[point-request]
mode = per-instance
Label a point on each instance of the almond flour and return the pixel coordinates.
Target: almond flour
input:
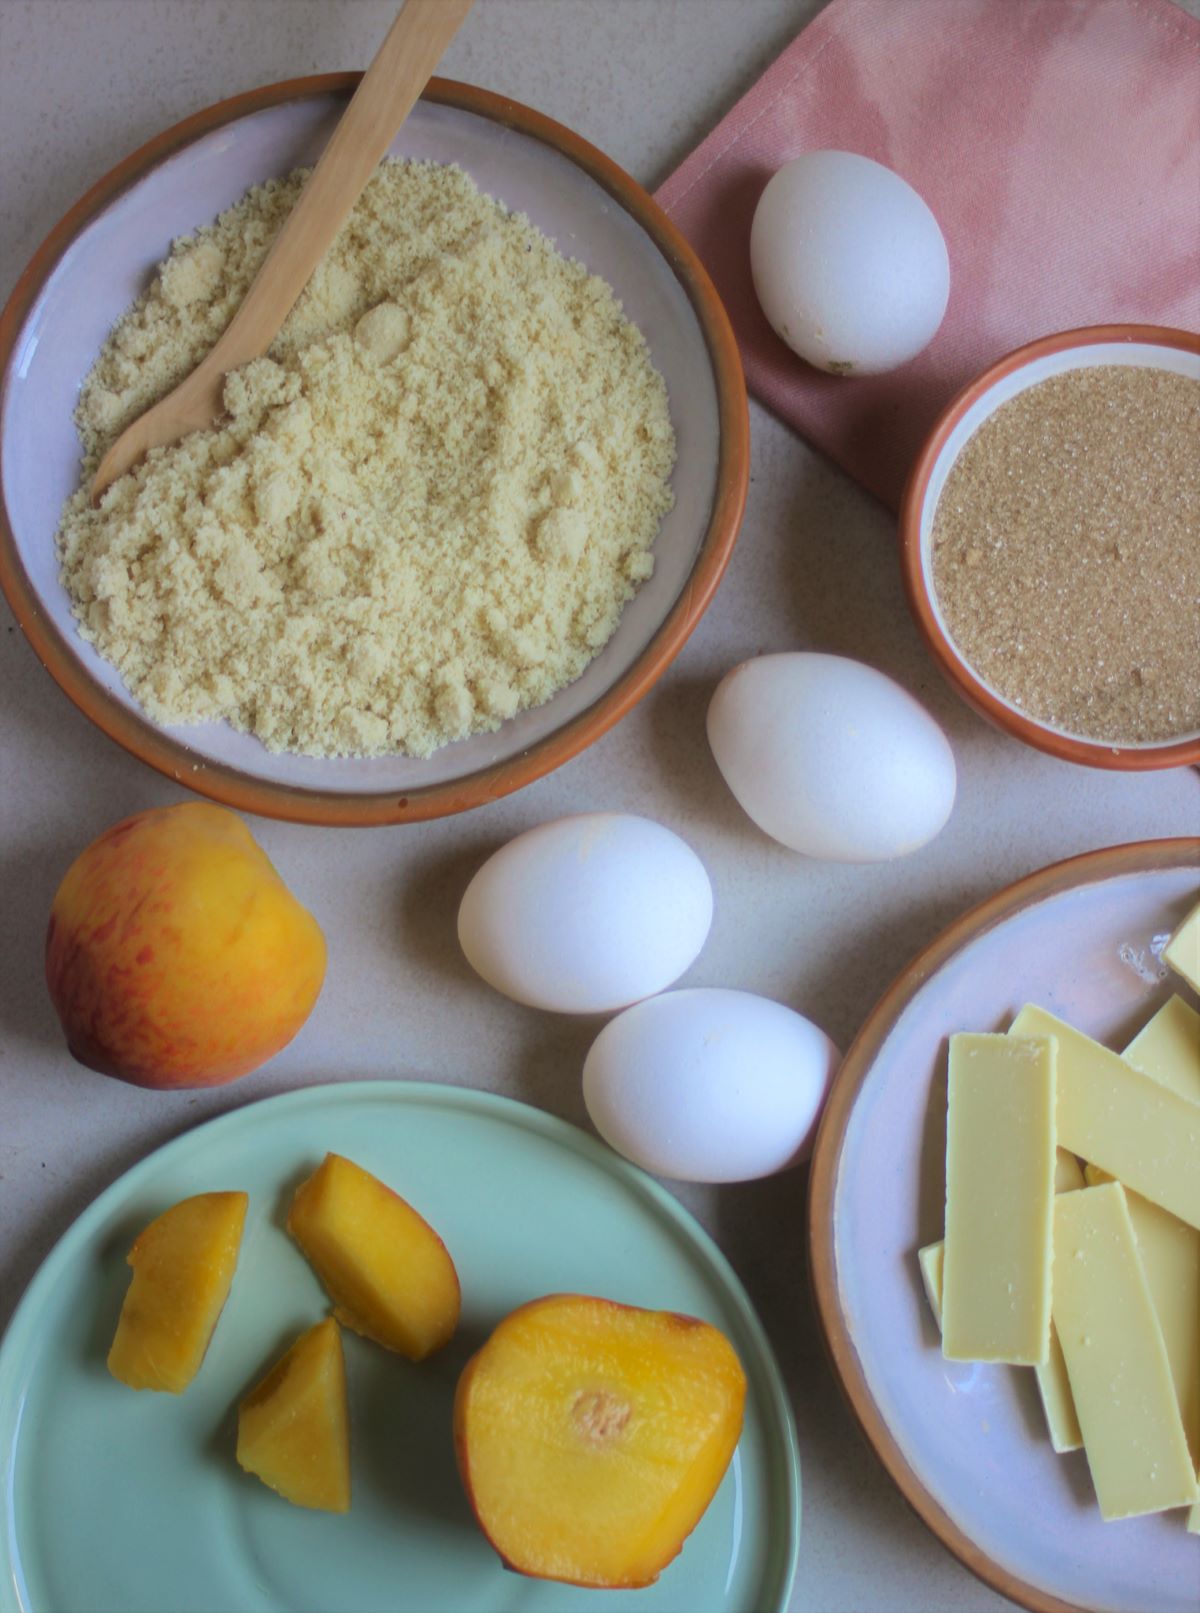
(427, 505)
(1066, 553)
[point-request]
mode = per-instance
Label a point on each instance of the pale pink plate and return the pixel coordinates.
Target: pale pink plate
(967, 1444)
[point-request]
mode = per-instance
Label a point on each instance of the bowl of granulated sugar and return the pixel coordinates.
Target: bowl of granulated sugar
(450, 528)
(1050, 545)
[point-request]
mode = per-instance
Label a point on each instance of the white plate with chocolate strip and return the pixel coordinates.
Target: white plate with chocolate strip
(1010, 1464)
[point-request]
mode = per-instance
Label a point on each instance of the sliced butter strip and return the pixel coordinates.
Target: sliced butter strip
(1053, 1384)
(1138, 1130)
(1182, 951)
(1168, 1048)
(1000, 1164)
(1170, 1256)
(1193, 1522)
(1116, 1358)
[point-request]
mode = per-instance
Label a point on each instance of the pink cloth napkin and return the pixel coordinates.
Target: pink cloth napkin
(1058, 144)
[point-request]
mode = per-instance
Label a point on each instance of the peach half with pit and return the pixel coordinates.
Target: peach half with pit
(591, 1436)
(176, 956)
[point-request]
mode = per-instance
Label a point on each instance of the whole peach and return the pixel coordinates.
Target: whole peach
(176, 956)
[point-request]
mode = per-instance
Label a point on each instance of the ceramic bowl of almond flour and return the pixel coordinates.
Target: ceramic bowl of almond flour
(1050, 545)
(451, 529)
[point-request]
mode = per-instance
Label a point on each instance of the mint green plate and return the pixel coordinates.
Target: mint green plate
(116, 1502)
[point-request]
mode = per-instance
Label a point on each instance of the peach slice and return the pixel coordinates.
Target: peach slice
(183, 1264)
(591, 1436)
(294, 1428)
(385, 1268)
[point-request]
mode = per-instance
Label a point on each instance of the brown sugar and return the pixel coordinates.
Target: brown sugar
(1066, 553)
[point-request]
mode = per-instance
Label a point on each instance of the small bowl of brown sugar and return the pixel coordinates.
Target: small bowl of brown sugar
(1050, 545)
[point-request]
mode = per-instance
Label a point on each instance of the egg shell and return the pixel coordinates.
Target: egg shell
(831, 757)
(586, 914)
(709, 1085)
(848, 263)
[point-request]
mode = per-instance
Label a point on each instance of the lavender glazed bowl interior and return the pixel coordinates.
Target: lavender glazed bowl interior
(110, 261)
(967, 1443)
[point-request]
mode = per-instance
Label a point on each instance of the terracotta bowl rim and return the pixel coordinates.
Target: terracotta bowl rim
(1108, 862)
(266, 798)
(957, 671)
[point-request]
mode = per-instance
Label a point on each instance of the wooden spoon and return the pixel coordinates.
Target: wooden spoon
(387, 93)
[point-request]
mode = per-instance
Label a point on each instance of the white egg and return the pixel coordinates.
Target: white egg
(587, 914)
(831, 757)
(848, 262)
(707, 1085)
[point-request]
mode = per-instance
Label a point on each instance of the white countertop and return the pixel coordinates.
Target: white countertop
(82, 82)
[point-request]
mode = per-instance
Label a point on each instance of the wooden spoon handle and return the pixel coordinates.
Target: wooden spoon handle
(379, 106)
(389, 89)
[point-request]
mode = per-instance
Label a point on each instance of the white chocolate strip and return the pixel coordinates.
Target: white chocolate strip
(1182, 951)
(1168, 1048)
(1000, 1164)
(1119, 1118)
(1116, 1358)
(1170, 1254)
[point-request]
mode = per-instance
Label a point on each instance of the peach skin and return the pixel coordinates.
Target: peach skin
(176, 956)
